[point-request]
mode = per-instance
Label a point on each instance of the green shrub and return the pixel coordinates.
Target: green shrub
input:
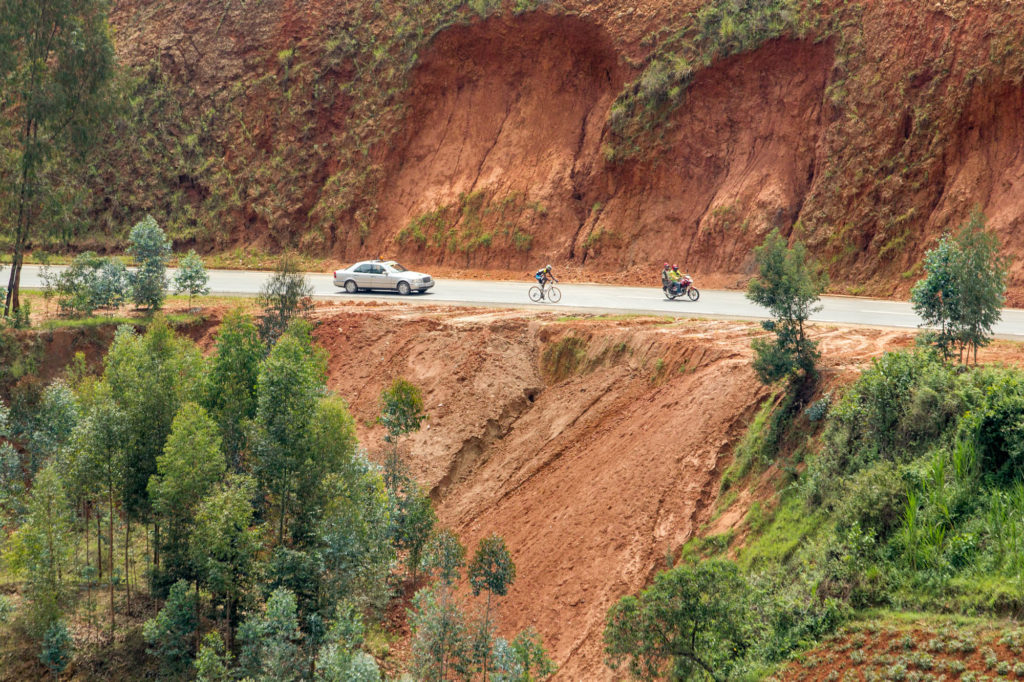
(170, 634)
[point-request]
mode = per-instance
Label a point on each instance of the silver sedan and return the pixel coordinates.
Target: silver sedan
(381, 274)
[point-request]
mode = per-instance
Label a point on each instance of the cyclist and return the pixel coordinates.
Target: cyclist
(545, 275)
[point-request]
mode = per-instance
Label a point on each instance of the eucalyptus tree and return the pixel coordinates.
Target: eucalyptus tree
(55, 59)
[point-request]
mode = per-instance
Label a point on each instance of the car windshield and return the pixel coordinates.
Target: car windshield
(396, 267)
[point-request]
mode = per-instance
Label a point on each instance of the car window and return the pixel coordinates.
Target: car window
(378, 270)
(365, 267)
(396, 267)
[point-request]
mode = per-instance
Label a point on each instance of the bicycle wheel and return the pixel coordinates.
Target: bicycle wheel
(693, 294)
(535, 294)
(554, 295)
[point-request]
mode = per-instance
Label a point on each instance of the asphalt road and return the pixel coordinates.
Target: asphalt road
(597, 298)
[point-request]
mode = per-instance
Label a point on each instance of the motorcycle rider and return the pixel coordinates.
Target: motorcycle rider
(674, 278)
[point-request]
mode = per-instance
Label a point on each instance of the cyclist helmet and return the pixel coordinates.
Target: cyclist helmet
(548, 268)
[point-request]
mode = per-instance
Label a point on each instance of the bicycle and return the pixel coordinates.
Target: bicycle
(548, 292)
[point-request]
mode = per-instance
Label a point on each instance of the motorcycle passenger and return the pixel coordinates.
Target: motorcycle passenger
(664, 275)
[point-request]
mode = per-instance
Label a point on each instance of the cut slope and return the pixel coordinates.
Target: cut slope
(593, 446)
(506, 113)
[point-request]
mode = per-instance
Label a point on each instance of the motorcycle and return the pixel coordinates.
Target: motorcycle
(683, 287)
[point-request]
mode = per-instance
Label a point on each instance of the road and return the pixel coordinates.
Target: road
(598, 298)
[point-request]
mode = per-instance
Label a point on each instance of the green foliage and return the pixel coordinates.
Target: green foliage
(54, 62)
(477, 220)
(401, 409)
(691, 623)
(716, 30)
(445, 555)
(149, 377)
(271, 641)
(440, 636)
(290, 385)
(191, 277)
(285, 296)
(414, 521)
(191, 464)
(491, 568)
(151, 249)
(57, 648)
(40, 550)
(352, 536)
(340, 659)
(171, 634)
(224, 544)
(229, 393)
(964, 290)
(788, 284)
(524, 659)
(91, 282)
(53, 422)
(213, 660)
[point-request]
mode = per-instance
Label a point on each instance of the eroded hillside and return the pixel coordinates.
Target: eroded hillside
(594, 446)
(600, 136)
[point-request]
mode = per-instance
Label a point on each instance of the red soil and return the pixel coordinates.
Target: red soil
(591, 480)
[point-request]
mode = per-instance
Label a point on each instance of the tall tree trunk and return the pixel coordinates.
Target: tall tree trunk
(99, 545)
(13, 301)
(110, 558)
(156, 547)
(127, 575)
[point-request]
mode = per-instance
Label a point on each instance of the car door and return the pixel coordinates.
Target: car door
(363, 276)
(386, 279)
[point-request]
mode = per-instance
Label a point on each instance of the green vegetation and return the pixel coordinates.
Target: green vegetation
(788, 284)
(191, 278)
(54, 62)
(716, 30)
(564, 358)
(446, 643)
(286, 295)
(964, 290)
(912, 500)
(226, 491)
(476, 221)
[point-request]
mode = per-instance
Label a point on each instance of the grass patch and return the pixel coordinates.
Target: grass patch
(790, 526)
(564, 358)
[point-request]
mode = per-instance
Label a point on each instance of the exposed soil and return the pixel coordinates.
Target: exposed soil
(869, 134)
(593, 474)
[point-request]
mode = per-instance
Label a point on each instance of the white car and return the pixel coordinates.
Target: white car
(381, 274)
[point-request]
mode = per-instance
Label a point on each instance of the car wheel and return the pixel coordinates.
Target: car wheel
(404, 288)
(350, 286)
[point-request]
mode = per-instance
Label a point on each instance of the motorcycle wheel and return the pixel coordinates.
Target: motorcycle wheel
(692, 294)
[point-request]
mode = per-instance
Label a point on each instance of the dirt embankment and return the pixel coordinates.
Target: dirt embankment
(593, 446)
(469, 142)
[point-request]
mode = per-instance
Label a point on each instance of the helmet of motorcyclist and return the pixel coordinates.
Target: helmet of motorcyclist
(675, 267)
(666, 266)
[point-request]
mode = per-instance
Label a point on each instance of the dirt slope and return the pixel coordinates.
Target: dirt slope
(594, 467)
(480, 135)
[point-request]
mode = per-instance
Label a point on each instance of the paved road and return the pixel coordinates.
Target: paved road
(599, 298)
